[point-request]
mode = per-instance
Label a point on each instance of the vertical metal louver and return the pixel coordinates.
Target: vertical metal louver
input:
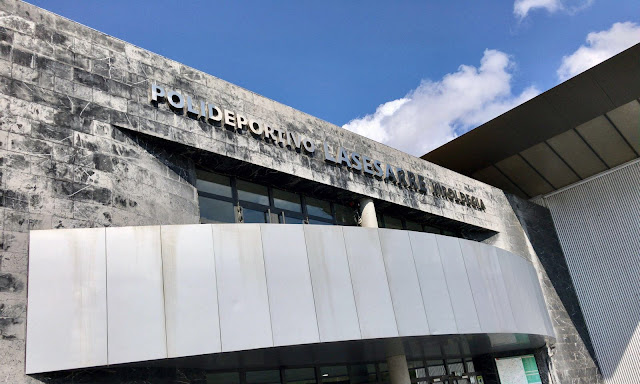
(598, 223)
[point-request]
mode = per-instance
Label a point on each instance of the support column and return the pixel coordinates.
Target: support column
(368, 216)
(397, 362)
(396, 359)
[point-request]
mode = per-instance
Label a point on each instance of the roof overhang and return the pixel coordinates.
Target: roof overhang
(586, 125)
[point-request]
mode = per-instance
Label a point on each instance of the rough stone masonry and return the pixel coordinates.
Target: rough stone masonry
(74, 121)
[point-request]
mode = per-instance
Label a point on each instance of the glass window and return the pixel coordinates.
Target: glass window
(318, 208)
(413, 226)
(448, 233)
(384, 373)
(286, 200)
(392, 222)
(319, 222)
(334, 374)
(300, 376)
(430, 229)
(214, 183)
(531, 369)
(455, 367)
(380, 223)
(470, 367)
(345, 215)
(416, 370)
(363, 373)
(254, 216)
(263, 377)
(292, 220)
(223, 378)
(436, 368)
(216, 211)
(253, 193)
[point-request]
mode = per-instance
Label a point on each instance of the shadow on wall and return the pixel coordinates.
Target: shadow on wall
(538, 225)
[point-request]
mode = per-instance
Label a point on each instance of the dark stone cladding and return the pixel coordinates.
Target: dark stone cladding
(573, 358)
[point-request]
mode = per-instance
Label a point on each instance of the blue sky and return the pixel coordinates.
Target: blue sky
(393, 66)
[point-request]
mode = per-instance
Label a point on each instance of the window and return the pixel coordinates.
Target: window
(391, 222)
(263, 377)
(216, 211)
(345, 215)
(420, 372)
(214, 184)
(363, 374)
(224, 199)
(413, 226)
(300, 376)
(223, 378)
(287, 200)
(319, 209)
(335, 374)
(252, 193)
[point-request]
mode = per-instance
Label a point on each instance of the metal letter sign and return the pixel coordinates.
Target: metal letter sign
(280, 137)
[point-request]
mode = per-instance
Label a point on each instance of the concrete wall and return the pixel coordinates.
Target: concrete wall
(74, 115)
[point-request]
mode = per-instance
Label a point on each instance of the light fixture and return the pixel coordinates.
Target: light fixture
(325, 374)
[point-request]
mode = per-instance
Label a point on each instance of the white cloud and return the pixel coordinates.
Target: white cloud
(438, 111)
(600, 46)
(521, 8)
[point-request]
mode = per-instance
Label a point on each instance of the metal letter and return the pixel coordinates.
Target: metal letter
(356, 163)
(294, 139)
(190, 109)
(451, 194)
(390, 176)
(328, 157)
(255, 127)
(242, 122)
(343, 157)
(203, 111)
(412, 181)
(309, 146)
(214, 114)
(378, 167)
(401, 179)
(176, 101)
(437, 190)
(229, 118)
(282, 137)
(269, 134)
(157, 92)
(422, 185)
(367, 165)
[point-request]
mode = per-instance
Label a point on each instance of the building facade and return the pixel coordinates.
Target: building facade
(139, 243)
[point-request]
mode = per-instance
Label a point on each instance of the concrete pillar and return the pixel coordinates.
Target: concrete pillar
(368, 216)
(397, 362)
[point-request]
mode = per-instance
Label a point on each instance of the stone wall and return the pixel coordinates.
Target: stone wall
(94, 77)
(60, 167)
(75, 122)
